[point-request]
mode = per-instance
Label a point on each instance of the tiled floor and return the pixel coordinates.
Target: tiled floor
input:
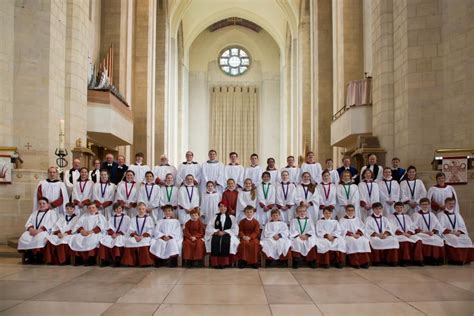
(41, 290)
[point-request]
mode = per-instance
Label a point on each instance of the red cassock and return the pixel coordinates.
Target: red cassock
(248, 249)
(193, 250)
(229, 198)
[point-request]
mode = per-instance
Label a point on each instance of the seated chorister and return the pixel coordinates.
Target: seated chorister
(57, 248)
(249, 246)
(112, 245)
(194, 248)
(331, 246)
(303, 239)
(275, 239)
(357, 242)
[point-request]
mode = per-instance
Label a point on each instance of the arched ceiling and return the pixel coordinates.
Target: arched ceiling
(275, 16)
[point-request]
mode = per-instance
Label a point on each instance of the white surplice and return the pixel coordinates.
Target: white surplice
(286, 196)
(210, 205)
(354, 245)
(235, 172)
(304, 195)
(139, 226)
(164, 249)
(127, 192)
(369, 194)
(294, 174)
(347, 194)
(428, 222)
(266, 194)
(65, 225)
(330, 227)
(82, 192)
(244, 199)
(88, 222)
(453, 221)
(161, 171)
(299, 227)
(412, 191)
(254, 173)
(118, 225)
(389, 191)
(275, 248)
(56, 193)
(150, 194)
(184, 169)
(380, 225)
(139, 171)
(213, 171)
(403, 223)
(439, 194)
(44, 220)
(188, 198)
(314, 170)
(104, 192)
(327, 197)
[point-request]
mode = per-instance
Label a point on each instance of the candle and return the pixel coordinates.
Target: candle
(61, 134)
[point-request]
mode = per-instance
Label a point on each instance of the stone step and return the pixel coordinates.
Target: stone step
(12, 242)
(8, 252)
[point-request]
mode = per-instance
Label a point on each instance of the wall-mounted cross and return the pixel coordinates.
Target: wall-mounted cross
(28, 146)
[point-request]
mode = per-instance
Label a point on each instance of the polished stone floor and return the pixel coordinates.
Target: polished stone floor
(51, 290)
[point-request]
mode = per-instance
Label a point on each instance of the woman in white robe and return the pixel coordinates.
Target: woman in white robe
(369, 193)
(330, 239)
(150, 194)
(327, 194)
(307, 195)
(210, 202)
(389, 191)
(103, 194)
(38, 227)
(357, 243)
(127, 194)
(440, 192)
(188, 198)
(247, 196)
(275, 239)
(266, 198)
(347, 193)
(167, 239)
(57, 248)
(54, 190)
(303, 238)
(286, 197)
(412, 190)
(89, 230)
(82, 192)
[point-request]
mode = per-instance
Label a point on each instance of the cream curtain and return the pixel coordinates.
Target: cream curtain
(234, 117)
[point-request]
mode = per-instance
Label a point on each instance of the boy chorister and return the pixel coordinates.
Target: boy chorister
(188, 198)
(89, 230)
(303, 238)
(112, 245)
(139, 168)
(38, 226)
(285, 197)
(313, 167)
(357, 243)
(458, 246)
(307, 196)
(168, 195)
(275, 239)
(383, 242)
(249, 247)
(57, 248)
(254, 171)
(411, 247)
(412, 190)
(222, 238)
(82, 191)
(230, 196)
(137, 243)
(209, 202)
(440, 192)
(189, 167)
(389, 191)
(234, 170)
(331, 244)
(327, 194)
(266, 197)
(213, 170)
(369, 193)
(194, 248)
(127, 193)
(347, 193)
(292, 169)
(150, 195)
(247, 196)
(167, 238)
(54, 191)
(428, 228)
(103, 194)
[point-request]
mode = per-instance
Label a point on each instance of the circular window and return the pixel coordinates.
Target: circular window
(234, 61)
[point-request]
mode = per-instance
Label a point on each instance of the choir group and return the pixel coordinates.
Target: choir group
(141, 216)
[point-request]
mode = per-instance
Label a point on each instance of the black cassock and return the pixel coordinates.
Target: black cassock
(220, 245)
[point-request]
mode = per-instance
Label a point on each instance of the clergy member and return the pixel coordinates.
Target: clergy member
(163, 169)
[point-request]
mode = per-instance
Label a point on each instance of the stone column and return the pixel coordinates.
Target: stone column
(7, 50)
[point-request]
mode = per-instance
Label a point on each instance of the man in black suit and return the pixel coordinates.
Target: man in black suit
(346, 165)
(398, 173)
(120, 170)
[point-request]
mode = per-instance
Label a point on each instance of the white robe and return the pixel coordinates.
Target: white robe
(165, 249)
(254, 173)
(244, 199)
(306, 226)
(428, 222)
(390, 242)
(314, 170)
(37, 220)
(379, 173)
(303, 194)
(161, 171)
(233, 232)
(403, 223)
(63, 226)
(454, 221)
(334, 176)
(274, 175)
(439, 195)
(140, 226)
(327, 197)
(331, 227)
(210, 205)
(188, 198)
(76, 174)
(235, 172)
(269, 199)
(419, 191)
(286, 196)
(293, 172)
(347, 194)
(369, 193)
(118, 224)
(90, 242)
(184, 169)
(128, 193)
(213, 171)
(52, 190)
(140, 171)
(82, 191)
(150, 194)
(275, 248)
(104, 192)
(389, 191)
(353, 245)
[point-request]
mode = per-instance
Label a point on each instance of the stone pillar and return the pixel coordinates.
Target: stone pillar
(7, 50)
(322, 79)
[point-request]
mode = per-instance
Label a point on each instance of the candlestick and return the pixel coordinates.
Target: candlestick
(61, 134)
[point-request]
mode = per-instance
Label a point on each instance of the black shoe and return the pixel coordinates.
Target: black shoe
(254, 266)
(356, 267)
(313, 265)
(242, 264)
(173, 262)
(295, 264)
(189, 264)
(403, 263)
(338, 265)
(365, 266)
